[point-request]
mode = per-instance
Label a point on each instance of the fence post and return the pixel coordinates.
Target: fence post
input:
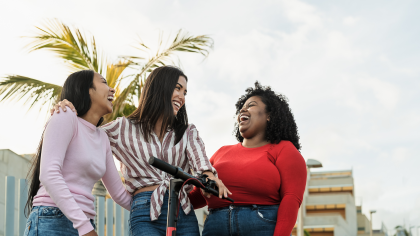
(101, 216)
(22, 198)
(126, 219)
(9, 213)
(109, 217)
(117, 214)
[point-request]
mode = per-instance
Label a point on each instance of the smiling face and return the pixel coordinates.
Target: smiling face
(178, 97)
(101, 94)
(253, 118)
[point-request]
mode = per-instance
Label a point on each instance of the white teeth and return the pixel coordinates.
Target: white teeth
(110, 98)
(177, 104)
(243, 118)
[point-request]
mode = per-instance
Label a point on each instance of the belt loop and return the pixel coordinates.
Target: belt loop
(254, 207)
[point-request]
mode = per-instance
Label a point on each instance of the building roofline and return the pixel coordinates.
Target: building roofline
(318, 226)
(331, 185)
(24, 156)
(332, 171)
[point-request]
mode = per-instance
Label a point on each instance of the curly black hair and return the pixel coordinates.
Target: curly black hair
(282, 125)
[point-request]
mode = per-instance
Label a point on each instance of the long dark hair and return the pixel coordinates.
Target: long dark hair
(156, 102)
(76, 90)
(282, 125)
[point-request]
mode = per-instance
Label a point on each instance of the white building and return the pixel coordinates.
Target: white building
(11, 164)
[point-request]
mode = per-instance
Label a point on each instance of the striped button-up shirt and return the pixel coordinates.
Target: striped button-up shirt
(132, 150)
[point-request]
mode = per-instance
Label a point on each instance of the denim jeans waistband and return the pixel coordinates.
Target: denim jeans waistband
(232, 206)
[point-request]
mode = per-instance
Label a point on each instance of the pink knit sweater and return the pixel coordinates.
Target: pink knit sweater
(75, 155)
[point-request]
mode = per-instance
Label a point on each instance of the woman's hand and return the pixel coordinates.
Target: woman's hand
(91, 233)
(223, 191)
(63, 105)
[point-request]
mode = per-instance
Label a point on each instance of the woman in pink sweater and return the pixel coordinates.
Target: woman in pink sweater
(72, 156)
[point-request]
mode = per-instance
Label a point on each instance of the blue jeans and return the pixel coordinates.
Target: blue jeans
(249, 220)
(141, 224)
(48, 221)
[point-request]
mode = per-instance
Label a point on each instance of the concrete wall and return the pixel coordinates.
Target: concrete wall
(338, 198)
(340, 225)
(331, 181)
(363, 221)
(11, 164)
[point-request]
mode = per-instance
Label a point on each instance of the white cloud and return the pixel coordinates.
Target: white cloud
(350, 20)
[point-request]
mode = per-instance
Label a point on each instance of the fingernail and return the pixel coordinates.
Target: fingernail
(64, 109)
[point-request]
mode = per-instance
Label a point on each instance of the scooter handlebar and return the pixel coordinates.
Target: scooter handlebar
(180, 174)
(163, 166)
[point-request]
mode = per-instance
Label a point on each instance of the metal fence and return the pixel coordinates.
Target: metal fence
(110, 217)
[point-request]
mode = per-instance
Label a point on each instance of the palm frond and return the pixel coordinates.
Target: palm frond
(113, 77)
(124, 99)
(68, 44)
(113, 73)
(17, 87)
(183, 42)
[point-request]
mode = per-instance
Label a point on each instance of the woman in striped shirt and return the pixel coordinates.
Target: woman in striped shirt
(158, 127)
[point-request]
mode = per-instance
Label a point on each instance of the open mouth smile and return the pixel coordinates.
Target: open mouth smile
(177, 104)
(111, 99)
(243, 119)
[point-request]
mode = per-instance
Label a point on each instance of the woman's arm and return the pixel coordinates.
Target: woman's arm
(292, 168)
(196, 153)
(57, 137)
(199, 161)
(113, 183)
(111, 128)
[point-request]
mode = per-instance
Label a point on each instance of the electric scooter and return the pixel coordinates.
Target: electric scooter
(175, 185)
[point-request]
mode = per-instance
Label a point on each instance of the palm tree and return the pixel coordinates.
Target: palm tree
(80, 53)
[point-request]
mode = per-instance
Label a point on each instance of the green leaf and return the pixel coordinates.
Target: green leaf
(17, 87)
(68, 44)
(183, 42)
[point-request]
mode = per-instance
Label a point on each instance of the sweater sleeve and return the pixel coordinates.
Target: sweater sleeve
(113, 183)
(292, 169)
(58, 134)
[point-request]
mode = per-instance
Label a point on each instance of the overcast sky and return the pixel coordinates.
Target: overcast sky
(349, 68)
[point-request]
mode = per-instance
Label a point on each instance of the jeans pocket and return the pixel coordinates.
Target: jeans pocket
(268, 215)
(140, 204)
(50, 212)
(27, 228)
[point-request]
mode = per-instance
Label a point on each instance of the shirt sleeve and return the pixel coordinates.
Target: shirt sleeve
(196, 153)
(292, 168)
(197, 199)
(112, 129)
(113, 183)
(58, 134)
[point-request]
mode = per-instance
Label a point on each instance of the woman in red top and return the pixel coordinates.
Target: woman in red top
(265, 171)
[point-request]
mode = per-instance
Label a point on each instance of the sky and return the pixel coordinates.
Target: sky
(350, 70)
